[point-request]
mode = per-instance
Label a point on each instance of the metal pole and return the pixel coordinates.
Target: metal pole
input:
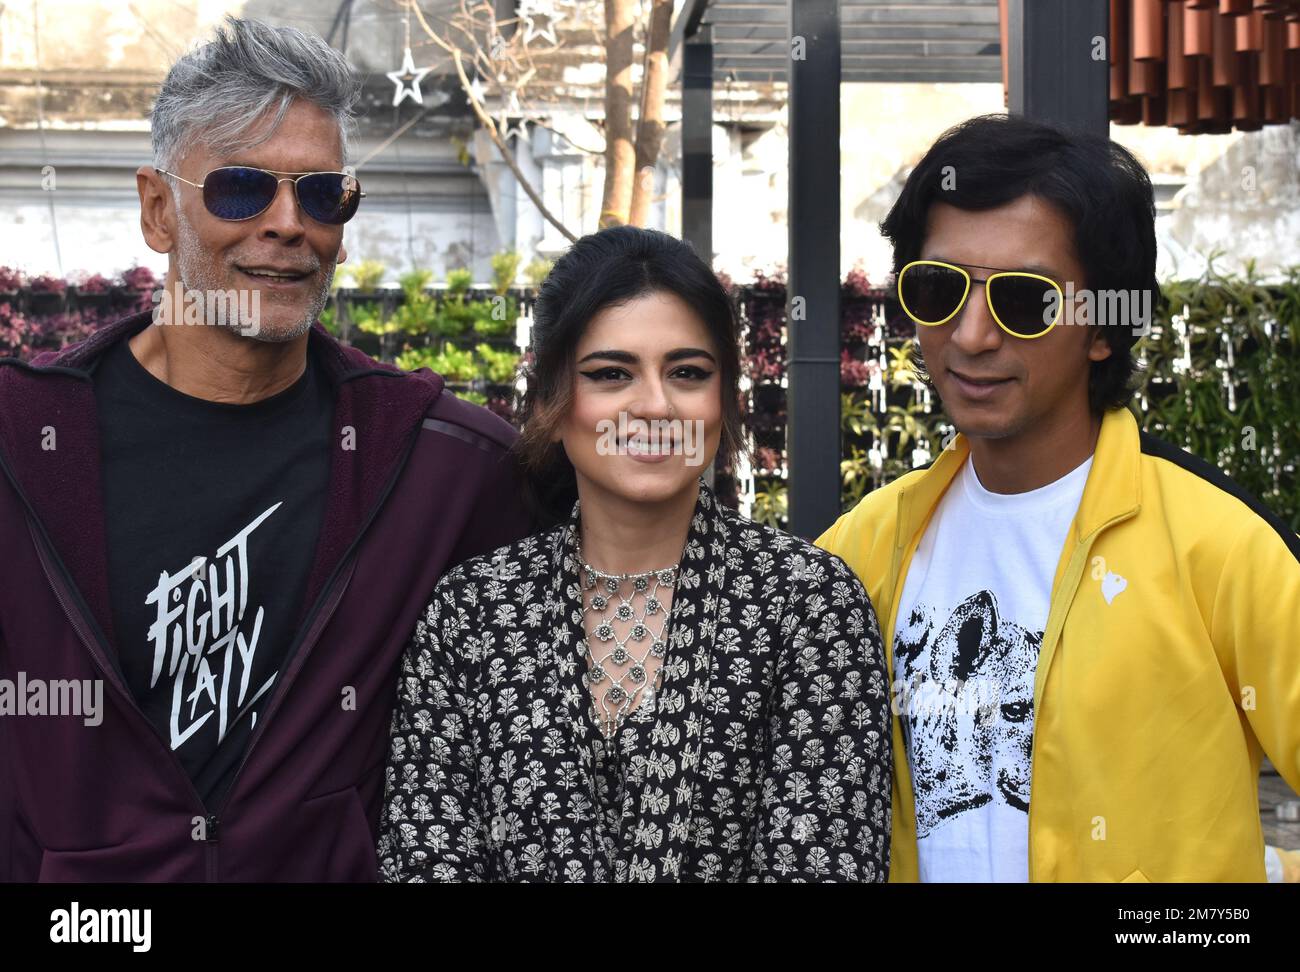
(697, 143)
(1058, 65)
(813, 312)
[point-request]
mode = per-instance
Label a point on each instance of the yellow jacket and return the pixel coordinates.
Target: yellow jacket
(1152, 711)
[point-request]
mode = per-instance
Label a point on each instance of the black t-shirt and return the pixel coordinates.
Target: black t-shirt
(213, 513)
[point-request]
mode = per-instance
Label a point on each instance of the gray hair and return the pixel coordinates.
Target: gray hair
(216, 93)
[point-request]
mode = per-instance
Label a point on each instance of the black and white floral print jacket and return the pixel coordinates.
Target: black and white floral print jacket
(767, 757)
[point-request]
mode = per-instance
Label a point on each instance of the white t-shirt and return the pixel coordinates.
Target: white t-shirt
(970, 624)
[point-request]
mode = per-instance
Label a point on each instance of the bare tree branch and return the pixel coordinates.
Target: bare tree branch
(531, 80)
(490, 126)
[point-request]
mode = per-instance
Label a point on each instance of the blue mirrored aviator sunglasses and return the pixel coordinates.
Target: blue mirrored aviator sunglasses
(237, 192)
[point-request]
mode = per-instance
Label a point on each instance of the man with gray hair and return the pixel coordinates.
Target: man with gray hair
(227, 516)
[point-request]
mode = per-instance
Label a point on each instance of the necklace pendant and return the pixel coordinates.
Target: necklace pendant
(611, 702)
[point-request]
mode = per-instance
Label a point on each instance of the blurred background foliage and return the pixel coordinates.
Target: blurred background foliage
(1220, 368)
(1220, 377)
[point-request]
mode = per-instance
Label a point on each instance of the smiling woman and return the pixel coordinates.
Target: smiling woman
(629, 322)
(677, 693)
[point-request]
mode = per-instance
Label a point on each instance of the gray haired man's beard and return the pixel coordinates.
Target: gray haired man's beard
(198, 276)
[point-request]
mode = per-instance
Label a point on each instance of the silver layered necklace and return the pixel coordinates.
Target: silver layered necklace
(617, 668)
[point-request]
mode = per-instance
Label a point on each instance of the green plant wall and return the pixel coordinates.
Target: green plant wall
(1220, 367)
(1220, 377)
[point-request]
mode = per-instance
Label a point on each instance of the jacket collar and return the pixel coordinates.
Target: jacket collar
(1113, 489)
(377, 415)
(662, 803)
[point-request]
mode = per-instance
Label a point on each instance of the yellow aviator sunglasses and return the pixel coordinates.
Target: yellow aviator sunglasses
(1025, 305)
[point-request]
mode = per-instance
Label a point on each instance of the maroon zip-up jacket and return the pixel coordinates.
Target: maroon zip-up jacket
(428, 484)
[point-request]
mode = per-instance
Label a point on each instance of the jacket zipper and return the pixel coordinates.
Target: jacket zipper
(319, 617)
(211, 826)
(895, 565)
(1070, 581)
(60, 583)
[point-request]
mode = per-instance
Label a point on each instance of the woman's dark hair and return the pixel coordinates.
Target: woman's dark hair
(992, 160)
(602, 270)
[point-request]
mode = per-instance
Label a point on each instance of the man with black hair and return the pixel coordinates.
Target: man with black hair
(1070, 605)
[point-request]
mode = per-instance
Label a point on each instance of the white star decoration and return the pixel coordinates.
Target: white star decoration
(512, 109)
(516, 129)
(407, 78)
(530, 12)
(546, 33)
